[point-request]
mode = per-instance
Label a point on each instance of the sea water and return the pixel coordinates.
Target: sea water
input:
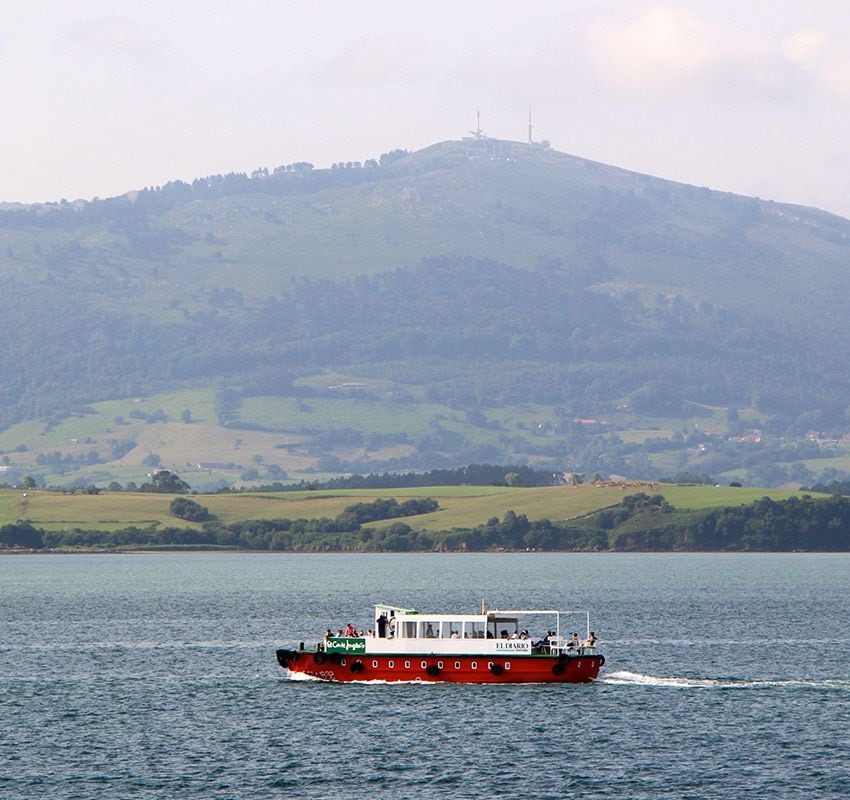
(154, 676)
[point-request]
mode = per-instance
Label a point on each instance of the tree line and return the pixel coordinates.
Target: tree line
(339, 533)
(640, 522)
(470, 475)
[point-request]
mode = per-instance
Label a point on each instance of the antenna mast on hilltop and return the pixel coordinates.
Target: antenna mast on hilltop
(543, 144)
(478, 133)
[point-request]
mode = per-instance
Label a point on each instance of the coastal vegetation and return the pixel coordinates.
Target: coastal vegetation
(553, 518)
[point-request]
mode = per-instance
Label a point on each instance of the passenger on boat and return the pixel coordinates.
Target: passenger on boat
(504, 634)
(574, 643)
(590, 641)
(382, 626)
(350, 630)
(429, 632)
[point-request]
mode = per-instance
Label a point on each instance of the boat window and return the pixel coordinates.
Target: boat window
(457, 664)
(429, 630)
(407, 665)
(472, 630)
(474, 665)
(391, 664)
(408, 630)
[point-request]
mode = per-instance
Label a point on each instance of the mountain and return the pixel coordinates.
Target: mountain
(467, 280)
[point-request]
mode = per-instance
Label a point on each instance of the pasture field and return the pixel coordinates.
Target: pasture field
(200, 402)
(460, 506)
(107, 511)
(367, 415)
(699, 497)
(351, 424)
(109, 419)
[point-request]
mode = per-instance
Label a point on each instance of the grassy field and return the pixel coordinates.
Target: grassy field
(112, 418)
(460, 506)
(698, 497)
(368, 415)
(346, 429)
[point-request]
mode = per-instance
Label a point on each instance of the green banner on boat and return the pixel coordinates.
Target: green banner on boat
(345, 644)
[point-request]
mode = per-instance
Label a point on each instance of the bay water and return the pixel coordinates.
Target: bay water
(154, 676)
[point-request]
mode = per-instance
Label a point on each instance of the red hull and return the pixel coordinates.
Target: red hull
(444, 669)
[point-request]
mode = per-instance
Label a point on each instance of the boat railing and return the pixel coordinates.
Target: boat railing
(568, 648)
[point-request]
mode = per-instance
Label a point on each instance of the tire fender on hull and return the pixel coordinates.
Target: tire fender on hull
(287, 657)
(561, 666)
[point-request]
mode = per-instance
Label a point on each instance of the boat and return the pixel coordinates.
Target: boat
(491, 647)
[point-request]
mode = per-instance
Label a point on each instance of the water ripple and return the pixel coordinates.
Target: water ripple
(626, 678)
(152, 677)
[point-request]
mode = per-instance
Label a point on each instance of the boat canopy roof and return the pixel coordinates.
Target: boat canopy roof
(382, 608)
(490, 615)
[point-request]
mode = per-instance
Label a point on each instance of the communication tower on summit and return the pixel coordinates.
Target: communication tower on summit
(543, 144)
(478, 133)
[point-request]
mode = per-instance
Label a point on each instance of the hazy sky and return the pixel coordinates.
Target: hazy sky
(101, 97)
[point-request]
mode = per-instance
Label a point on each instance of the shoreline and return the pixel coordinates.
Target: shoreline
(248, 551)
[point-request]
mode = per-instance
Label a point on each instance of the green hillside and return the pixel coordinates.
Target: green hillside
(603, 517)
(460, 506)
(476, 301)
